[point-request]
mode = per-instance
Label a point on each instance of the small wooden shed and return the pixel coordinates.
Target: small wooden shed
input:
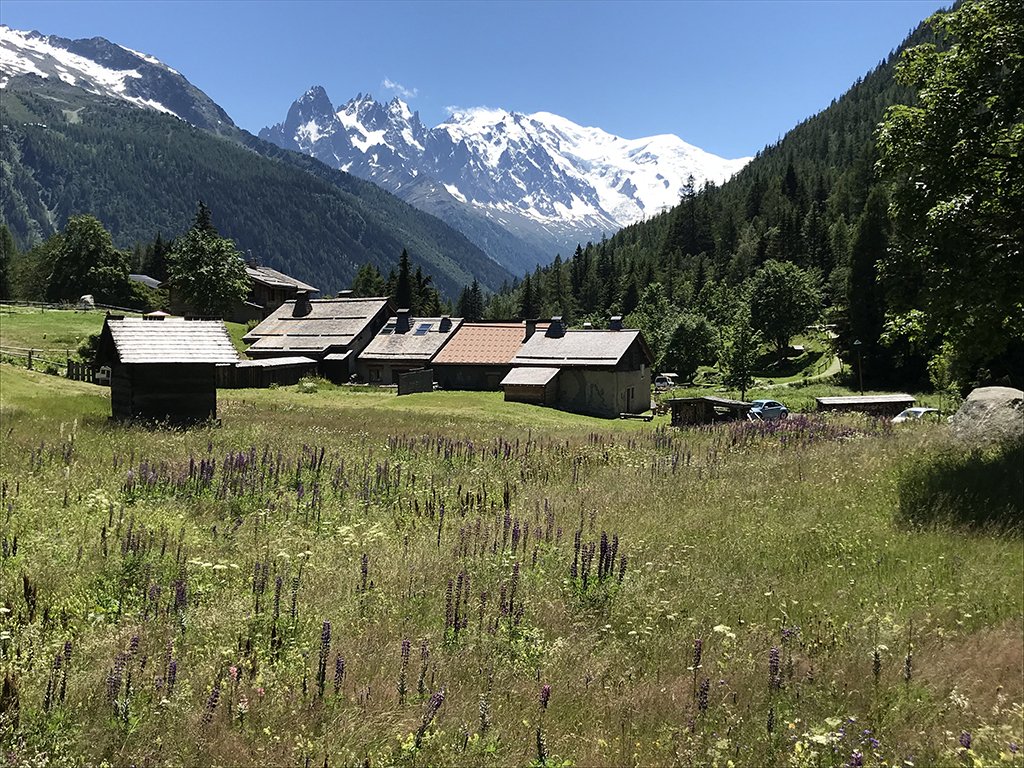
(706, 410)
(164, 369)
(875, 405)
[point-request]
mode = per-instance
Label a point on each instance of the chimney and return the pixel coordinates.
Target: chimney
(253, 262)
(446, 325)
(343, 294)
(302, 304)
(402, 321)
(556, 330)
(616, 323)
(531, 328)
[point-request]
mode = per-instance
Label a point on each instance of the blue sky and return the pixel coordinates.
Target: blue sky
(729, 76)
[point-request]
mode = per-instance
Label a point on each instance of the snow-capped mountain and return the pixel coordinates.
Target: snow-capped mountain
(103, 68)
(540, 176)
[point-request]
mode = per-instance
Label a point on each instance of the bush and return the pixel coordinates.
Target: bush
(977, 488)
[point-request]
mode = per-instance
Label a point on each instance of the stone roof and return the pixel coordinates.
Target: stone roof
(330, 324)
(531, 376)
(135, 340)
(484, 344)
(275, 279)
(863, 400)
(586, 348)
(424, 337)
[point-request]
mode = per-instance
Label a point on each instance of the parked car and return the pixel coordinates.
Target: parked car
(916, 414)
(767, 410)
(665, 381)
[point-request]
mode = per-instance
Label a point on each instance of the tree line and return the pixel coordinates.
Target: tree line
(876, 217)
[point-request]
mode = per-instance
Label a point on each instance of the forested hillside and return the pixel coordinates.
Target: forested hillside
(814, 201)
(141, 173)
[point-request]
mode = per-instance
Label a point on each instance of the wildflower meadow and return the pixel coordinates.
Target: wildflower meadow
(338, 576)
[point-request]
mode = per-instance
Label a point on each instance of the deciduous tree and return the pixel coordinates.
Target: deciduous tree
(957, 158)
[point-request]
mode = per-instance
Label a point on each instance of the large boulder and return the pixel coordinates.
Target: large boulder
(990, 415)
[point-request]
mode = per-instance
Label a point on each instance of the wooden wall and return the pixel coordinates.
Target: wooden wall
(173, 392)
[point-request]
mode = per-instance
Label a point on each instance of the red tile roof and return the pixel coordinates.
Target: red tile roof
(485, 344)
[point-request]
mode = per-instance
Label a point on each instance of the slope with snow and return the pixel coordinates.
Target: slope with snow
(106, 69)
(539, 176)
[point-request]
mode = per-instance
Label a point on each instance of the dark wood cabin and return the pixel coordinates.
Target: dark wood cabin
(875, 405)
(706, 410)
(164, 369)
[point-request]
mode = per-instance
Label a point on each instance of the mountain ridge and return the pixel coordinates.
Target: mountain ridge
(541, 177)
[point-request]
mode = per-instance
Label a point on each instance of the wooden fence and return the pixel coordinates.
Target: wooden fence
(40, 359)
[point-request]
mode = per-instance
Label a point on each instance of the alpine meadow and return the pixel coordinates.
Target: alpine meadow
(330, 573)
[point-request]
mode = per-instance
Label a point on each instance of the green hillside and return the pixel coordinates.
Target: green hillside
(66, 152)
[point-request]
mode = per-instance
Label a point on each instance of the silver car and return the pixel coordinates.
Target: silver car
(767, 410)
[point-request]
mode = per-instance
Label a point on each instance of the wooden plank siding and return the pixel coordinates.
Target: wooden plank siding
(174, 392)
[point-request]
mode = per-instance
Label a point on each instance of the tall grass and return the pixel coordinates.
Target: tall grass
(340, 578)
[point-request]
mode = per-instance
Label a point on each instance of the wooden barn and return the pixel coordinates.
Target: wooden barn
(599, 372)
(331, 331)
(875, 405)
(706, 410)
(164, 369)
(404, 344)
(480, 354)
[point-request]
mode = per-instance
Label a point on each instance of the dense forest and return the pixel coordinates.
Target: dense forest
(141, 173)
(816, 202)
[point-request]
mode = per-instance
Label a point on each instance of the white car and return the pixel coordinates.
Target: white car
(916, 414)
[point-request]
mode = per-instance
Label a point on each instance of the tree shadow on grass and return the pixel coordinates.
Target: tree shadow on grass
(977, 488)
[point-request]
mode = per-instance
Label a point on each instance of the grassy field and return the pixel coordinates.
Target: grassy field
(60, 331)
(343, 576)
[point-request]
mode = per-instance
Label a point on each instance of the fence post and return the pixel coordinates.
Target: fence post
(30, 359)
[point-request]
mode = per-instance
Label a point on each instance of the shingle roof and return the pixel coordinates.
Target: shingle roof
(331, 323)
(576, 348)
(532, 376)
(420, 343)
(484, 343)
(170, 340)
(276, 279)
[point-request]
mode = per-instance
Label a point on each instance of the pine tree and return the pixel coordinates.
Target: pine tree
(404, 286)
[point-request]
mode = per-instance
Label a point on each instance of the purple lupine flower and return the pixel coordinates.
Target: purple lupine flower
(545, 695)
(965, 740)
(211, 704)
(428, 716)
(339, 672)
(773, 667)
(702, 697)
(856, 760)
(698, 647)
(325, 652)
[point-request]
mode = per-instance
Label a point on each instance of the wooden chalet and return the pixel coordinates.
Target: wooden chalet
(268, 290)
(164, 369)
(404, 344)
(603, 373)
(480, 355)
(330, 331)
(875, 405)
(706, 410)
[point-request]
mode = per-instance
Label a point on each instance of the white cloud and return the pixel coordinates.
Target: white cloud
(400, 90)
